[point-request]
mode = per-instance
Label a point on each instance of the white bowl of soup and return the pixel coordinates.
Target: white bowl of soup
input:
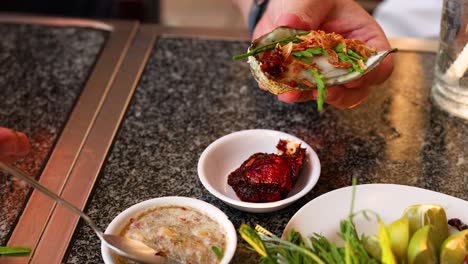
(186, 229)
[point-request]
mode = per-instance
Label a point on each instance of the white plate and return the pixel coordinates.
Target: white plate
(227, 153)
(323, 214)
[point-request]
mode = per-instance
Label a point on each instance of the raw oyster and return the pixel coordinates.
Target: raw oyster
(288, 59)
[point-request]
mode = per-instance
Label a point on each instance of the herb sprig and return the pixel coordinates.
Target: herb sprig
(296, 249)
(349, 56)
(15, 251)
(270, 46)
(219, 254)
(321, 89)
(309, 53)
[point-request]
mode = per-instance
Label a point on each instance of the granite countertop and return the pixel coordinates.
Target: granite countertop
(192, 93)
(42, 71)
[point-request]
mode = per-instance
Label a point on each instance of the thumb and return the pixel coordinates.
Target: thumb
(299, 13)
(13, 143)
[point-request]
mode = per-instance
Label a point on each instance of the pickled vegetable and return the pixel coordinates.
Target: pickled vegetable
(428, 214)
(385, 245)
(421, 249)
(455, 248)
(399, 237)
(371, 244)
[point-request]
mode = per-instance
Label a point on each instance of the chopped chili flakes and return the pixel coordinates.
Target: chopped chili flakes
(273, 63)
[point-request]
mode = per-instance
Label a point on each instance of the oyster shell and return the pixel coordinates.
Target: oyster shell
(331, 75)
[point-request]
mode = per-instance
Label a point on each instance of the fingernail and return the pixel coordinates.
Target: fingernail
(291, 20)
(23, 144)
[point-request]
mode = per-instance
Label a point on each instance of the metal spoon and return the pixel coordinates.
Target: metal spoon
(129, 248)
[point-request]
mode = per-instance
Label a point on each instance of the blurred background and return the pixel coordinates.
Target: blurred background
(204, 13)
(398, 18)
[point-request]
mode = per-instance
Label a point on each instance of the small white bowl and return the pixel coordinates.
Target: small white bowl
(210, 210)
(227, 153)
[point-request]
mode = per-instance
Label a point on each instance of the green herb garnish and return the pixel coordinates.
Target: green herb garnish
(348, 55)
(304, 59)
(340, 47)
(321, 89)
(345, 58)
(355, 56)
(278, 249)
(219, 254)
(251, 236)
(296, 250)
(15, 251)
(315, 51)
(308, 52)
(270, 46)
(320, 250)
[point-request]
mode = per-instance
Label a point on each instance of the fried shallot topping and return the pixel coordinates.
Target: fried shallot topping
(328, 41)
(316, 39)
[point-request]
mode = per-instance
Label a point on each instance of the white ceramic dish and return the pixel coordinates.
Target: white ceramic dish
(227, 153)
(323, 214)
(123, 218)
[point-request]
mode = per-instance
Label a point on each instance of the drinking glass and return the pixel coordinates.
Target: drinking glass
(450, 88)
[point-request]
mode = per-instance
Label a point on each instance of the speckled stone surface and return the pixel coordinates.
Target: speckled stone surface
(42, 71)
(192, 93)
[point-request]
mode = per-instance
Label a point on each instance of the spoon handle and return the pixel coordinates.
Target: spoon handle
(16, 172)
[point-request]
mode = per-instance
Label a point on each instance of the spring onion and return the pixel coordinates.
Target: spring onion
(269, 46)
(15, 251)
(321, 89)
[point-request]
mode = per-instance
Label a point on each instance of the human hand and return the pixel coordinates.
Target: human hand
(12, 144)
(344, 17)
